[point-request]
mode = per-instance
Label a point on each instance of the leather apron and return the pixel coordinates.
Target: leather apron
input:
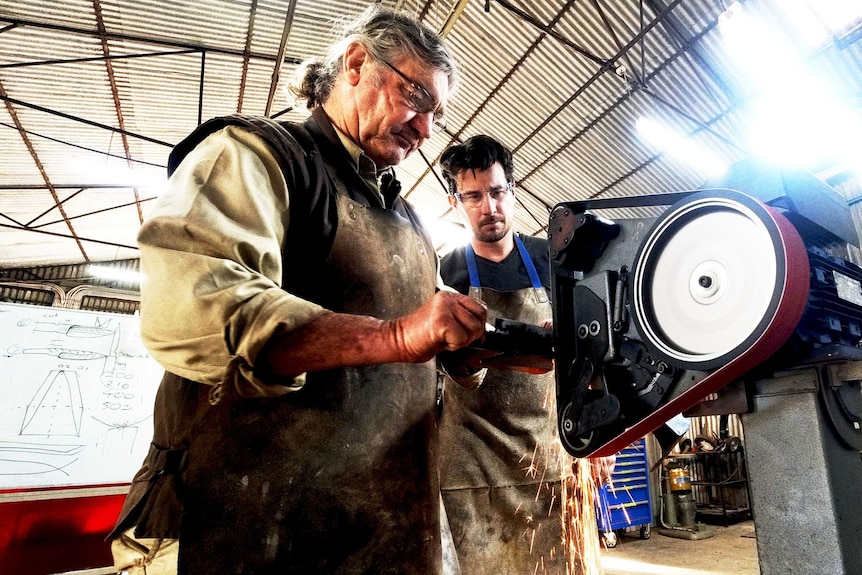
(500, 455)
(338, 477)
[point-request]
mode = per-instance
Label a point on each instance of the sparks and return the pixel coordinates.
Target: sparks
(574, 504)
(580, 533)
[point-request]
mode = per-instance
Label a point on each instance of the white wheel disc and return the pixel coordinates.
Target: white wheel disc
(706, 279)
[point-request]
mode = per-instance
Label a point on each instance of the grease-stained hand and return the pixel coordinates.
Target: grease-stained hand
(446, 322)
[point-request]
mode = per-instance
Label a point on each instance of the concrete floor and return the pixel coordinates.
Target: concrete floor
(731, 551)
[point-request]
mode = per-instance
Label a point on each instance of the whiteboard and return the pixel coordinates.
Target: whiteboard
(76, 397)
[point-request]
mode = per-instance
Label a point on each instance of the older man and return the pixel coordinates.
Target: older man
(290, 294)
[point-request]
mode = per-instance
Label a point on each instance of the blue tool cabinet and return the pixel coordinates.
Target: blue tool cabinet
(624, 502)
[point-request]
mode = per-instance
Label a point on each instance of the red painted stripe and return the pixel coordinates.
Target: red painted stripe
(57, 535)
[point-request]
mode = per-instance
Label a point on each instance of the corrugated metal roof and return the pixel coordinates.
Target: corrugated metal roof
(560, 82)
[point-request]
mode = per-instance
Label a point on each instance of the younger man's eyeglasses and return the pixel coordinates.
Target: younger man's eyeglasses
(475, 199)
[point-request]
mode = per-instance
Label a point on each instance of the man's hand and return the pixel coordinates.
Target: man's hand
(446, 322)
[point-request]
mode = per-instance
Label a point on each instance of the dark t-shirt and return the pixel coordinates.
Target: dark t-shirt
(507, 275)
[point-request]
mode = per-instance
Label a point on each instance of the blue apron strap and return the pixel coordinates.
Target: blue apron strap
(528, 264)
(472, 270)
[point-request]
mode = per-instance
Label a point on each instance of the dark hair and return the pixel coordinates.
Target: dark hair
(478, 153)
(388, 36)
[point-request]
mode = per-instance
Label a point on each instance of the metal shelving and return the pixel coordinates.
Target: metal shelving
(720, 484)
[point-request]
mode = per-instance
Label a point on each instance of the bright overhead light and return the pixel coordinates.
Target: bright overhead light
(818, 21)
(764, 56)
(808, 127)
(680, 147)
(116, 274)
(794, 116)
(110, 171)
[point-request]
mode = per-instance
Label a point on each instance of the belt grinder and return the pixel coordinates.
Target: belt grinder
(745, 281)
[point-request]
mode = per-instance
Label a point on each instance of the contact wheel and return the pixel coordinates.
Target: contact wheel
(584, 444)
(708, 279)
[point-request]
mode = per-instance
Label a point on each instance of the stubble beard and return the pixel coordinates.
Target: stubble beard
(492, 236)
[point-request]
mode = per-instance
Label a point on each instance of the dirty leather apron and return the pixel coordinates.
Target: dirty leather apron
(337, 477)
(500, 471)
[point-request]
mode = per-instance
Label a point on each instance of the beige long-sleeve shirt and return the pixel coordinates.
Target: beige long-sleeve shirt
(211, 254)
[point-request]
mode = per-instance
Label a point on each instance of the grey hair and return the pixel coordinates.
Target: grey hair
(387, 35)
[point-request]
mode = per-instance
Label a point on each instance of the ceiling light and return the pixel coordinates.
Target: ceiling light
(116, 274)
(794, 116)
(808, 127)
(764, 56)
(680, 147)
(114, 171)
(818, 21)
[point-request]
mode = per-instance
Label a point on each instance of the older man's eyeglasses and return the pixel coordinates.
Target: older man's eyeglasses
(475, 199)
(421, 100)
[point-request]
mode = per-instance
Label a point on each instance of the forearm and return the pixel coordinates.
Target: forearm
(333, 340)
(447, 321)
